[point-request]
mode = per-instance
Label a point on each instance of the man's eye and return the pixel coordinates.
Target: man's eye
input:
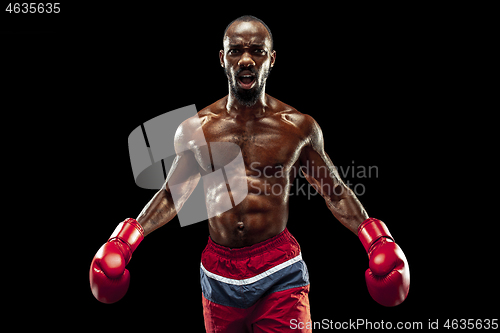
(232, 51)
(260, 51)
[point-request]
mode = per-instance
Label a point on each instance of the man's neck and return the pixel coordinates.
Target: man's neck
(236, 109)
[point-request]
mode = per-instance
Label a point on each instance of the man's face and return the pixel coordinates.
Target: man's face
(247, 59)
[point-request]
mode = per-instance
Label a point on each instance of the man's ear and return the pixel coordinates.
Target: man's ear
(273, 58)
(221, 57)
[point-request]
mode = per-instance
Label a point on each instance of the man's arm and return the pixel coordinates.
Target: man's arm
(324, 177)
(109, 279)
(161, 208)
(184, 174)
(388, 275)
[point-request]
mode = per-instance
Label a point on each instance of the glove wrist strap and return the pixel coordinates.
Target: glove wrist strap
(129, 232)
(370, 231)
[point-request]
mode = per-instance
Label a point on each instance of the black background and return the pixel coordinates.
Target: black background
(386, 85)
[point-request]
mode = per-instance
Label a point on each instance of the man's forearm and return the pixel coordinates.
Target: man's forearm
(347, 209)
(157, 212)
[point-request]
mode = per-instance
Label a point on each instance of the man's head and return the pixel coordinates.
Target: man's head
(247, 58)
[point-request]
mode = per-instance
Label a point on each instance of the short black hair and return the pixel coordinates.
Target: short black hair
(250, 18)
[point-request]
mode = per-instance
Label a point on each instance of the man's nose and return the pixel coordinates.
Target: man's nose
(246, 60)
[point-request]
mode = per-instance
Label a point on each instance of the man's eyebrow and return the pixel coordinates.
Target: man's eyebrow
(232, 46)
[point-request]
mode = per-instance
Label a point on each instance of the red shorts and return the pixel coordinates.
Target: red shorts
(260, 288)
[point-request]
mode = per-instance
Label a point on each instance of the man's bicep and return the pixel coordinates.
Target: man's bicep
(320, 171)
(184, 169)
(316, 165)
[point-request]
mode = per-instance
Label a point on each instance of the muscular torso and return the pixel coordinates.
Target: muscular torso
(270, 146)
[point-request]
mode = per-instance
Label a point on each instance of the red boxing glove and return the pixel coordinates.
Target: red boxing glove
(388, 278)
(109, 280)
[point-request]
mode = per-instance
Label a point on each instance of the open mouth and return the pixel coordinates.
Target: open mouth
(246, 79)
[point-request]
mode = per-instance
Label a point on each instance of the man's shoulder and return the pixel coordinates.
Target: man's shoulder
(214, 108)
(194, 122)
(293, 116)
(190, 130)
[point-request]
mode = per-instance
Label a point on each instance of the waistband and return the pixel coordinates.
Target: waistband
(283, 237)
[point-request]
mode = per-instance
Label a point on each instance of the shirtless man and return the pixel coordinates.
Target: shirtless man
(252, 274)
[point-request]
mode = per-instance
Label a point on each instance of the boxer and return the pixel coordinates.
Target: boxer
(253, 277)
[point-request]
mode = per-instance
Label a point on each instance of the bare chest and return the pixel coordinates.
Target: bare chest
(261, 143)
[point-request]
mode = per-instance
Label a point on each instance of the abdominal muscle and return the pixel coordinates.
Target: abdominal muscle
(262, 214)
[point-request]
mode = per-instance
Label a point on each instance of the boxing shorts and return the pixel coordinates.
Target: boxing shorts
(260, 288)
